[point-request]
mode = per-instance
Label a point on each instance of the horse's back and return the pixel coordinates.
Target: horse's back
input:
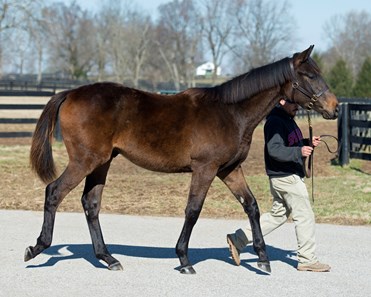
(151, 130)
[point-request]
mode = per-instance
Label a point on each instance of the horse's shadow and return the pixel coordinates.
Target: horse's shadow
(196, 255)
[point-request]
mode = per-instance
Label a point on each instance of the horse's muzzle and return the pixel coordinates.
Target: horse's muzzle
(331, 114)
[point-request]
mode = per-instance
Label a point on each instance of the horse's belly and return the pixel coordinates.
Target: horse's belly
(155, 157)
(158, 163)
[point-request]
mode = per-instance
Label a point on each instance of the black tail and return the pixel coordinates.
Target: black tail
(41, 155)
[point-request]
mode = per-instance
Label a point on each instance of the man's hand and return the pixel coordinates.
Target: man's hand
(316, 140)
(306, 151)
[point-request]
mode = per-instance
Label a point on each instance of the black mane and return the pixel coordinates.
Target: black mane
(249, 84)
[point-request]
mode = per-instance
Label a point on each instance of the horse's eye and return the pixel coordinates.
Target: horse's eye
(307, 74)
(310, 75)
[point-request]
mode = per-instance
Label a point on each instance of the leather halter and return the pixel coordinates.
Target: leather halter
(310, 94)
(313, 97)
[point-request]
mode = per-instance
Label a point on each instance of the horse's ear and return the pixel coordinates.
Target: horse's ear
(307, 52)
(303, 56)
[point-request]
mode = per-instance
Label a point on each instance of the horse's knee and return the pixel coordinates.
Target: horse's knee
(192, 212)
(252, 209)
(91, 207)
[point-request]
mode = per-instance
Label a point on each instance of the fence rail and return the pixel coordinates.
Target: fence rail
(28, 93)
(34, 86)
(13, 134)
(354, 132)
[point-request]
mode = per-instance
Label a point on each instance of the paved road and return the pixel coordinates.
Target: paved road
(145, 247)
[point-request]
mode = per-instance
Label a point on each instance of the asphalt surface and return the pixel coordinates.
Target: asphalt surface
(145, 248)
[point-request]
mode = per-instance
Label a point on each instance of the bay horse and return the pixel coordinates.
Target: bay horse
(204, 131)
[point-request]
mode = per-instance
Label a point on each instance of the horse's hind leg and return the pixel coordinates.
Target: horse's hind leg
(91, 201)
(236, 182)
(54, 194)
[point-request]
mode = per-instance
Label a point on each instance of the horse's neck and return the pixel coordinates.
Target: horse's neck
(256, 108)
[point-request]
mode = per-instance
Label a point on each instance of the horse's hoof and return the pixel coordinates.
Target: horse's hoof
(265, 266)
(115, 266)
(28, 254)
(187, 270)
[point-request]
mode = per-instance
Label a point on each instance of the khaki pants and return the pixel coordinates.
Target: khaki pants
(290, 196)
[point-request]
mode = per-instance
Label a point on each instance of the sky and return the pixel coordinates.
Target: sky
(310, 16)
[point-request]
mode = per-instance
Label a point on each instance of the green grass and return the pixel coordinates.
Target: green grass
(345, 198)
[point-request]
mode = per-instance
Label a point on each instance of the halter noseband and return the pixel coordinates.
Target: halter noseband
(311, 95)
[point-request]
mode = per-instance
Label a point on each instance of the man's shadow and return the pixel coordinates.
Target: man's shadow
(196, 255)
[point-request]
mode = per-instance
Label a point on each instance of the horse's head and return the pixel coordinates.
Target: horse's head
(308, 88)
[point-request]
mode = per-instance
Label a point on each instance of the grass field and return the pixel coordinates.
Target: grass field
(342, 195)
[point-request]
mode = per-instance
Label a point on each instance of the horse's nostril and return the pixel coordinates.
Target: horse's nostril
(337, 109)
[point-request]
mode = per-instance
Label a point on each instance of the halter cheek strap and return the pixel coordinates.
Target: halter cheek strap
(311, 95)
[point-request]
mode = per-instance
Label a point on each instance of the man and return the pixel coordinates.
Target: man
(284, 151)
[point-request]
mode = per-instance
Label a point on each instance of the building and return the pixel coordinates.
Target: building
(207, 69)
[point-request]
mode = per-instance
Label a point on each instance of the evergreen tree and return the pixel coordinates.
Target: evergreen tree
(318, 59)
(340, 79)
(362, 88)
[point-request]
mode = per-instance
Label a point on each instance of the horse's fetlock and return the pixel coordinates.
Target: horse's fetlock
(45, 243)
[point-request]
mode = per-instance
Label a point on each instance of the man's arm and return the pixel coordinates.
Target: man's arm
(282, 153)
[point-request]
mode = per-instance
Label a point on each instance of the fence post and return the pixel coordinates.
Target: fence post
(343, 134)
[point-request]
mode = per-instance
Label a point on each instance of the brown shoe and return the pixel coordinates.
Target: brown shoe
(235, 253)
(315, 267)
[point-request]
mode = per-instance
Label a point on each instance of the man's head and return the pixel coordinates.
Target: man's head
(289, 106)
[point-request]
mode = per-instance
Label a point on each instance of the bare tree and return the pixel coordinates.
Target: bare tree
(350, 38)
(139, 29)
(13, 13)
(14, 17)
(71, 43)
(121, 43)
(117, 22)
(217, 26)
(124, 37)
(38, 39)
(18, 51)
(109, 29)
(178, 40)
(264, 31)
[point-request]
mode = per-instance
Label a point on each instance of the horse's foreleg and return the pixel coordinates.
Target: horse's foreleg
(200, 183)
(54, 194)
(236, 182)
(91, 201)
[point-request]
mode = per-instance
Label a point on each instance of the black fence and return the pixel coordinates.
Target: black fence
(21, 93)
(19, 106)
(23, 85)
(19, 120)
(18, 134)
(354, 131)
